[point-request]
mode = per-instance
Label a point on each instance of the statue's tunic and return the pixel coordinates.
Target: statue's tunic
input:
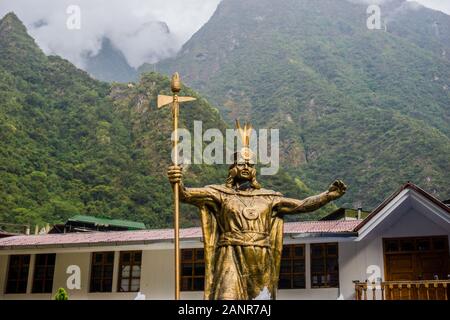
(247, 241)
(243, 238)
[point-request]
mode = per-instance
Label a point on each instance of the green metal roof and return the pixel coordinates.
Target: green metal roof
(109, 222)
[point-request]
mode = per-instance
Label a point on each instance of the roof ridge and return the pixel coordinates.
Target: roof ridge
(408, 185)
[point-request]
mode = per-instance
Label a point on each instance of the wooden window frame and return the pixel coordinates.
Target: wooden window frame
(293, 258)
(43, 281)
(22, 264)
(194, 262)
(103, 265)
(132, 263)
(415, 239)
(325, 256)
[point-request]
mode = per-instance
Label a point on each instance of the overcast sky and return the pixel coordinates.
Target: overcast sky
(442, 5)
(131, 25)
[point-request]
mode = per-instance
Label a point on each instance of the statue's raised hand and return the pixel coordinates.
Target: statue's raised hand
(175, 174)
(336, 189)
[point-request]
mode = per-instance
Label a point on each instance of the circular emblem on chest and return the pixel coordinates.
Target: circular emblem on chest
(250, 213)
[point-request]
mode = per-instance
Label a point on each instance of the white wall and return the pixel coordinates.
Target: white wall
(157, 278)
(356, 257)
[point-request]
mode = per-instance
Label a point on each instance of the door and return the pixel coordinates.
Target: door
(412, 259)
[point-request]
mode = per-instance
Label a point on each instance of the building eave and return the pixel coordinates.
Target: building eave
(408, 195)
(387, 201)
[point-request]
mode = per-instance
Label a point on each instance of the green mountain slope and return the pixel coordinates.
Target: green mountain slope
(426, 28)
(369, 106)
(74, 145)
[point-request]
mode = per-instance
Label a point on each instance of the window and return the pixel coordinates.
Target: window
(292, 268)
(440, 243)
(324, 265)
(417, 244)
(392, 245)
(18, 274)
(192, 270)
(130, 271)
(102, 271)
(43, 273)
(423, 244)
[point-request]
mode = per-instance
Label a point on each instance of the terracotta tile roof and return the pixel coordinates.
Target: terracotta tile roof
(329, 226)
(97, 238)
(157, 235)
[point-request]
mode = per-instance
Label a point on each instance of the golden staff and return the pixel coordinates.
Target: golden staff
(175, 100)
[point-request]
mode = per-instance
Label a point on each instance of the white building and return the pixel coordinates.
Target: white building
(406, 238)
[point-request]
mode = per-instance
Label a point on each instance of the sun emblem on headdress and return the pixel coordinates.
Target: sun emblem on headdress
(245, 154)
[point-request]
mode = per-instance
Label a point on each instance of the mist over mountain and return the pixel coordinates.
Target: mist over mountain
(109, 64)
(138, 31)
(136, 28)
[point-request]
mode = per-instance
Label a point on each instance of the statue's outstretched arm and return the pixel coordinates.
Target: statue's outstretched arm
(199, 196)
(195, 196)
(287, 205)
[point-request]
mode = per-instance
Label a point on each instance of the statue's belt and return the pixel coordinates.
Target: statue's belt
(244, 238)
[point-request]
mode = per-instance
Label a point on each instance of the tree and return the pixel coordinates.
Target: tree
(61, 294)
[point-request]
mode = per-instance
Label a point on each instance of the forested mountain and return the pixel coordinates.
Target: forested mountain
(74, 145)
(369, 106)
(428, 29)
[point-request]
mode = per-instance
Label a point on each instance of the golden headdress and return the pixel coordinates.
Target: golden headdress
(245, 154)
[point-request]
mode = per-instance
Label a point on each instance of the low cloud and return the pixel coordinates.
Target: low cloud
(144, 30)
(441, 5)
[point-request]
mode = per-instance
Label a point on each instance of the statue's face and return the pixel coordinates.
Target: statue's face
(245, 171)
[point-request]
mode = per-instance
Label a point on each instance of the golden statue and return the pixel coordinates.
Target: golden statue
(242, 227)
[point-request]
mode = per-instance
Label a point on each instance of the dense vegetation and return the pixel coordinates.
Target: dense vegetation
(74, 145)
(369, 106)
